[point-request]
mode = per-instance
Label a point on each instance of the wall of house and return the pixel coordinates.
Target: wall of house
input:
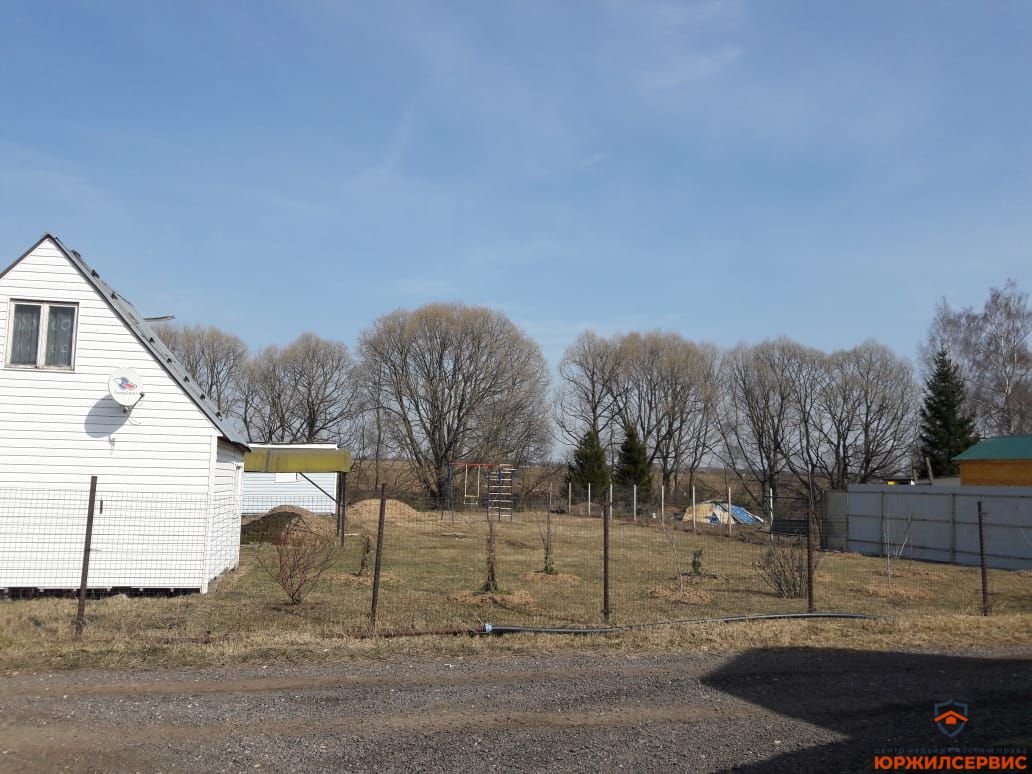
(57, 428)
(227, 492)
(996, 472)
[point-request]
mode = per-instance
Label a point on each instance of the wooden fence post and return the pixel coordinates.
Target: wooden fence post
(80, 616)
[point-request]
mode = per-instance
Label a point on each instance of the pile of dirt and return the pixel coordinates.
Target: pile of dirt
(558, 578)
(268, 527)
(396, 509)
(350, 579)
(895, 593)
(517, 599)
(689, 595)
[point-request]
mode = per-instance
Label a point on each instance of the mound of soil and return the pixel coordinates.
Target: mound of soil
(396, 509)
(268, 527)
(350, 579)
(558, 578)
(895, 593)
(691, 595)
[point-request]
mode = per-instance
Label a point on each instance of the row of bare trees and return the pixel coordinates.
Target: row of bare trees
(435, 385)
(449, 382)
(769, 412)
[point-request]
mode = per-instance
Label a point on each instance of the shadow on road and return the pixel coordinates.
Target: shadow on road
(881, 700)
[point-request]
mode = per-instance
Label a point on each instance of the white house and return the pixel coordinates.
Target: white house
(169, 469)
(314, 491)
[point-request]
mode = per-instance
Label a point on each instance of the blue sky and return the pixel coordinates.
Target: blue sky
(729, 170)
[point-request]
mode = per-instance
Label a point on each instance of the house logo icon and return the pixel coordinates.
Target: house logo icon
(950, 717)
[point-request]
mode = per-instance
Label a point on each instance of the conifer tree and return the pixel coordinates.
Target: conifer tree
(946, 429)
(632, 466)
(589, 464)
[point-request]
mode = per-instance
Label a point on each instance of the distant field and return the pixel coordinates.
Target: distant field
(433, 568)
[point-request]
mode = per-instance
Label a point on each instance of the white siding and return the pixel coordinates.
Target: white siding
(225, 542)
(59, 427)
(263, 491)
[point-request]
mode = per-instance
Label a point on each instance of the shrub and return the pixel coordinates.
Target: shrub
(783, 567)
(300, 557)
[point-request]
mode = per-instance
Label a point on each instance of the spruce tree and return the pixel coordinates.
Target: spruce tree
(632, 466)
(589, 465)
(946, 429)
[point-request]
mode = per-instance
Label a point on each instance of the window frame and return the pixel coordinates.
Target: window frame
(41, 340)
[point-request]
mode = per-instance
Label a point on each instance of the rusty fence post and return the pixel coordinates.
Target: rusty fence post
(981, 559)
(605, 562)
(379, 557)
(80, 615)
(810, 606)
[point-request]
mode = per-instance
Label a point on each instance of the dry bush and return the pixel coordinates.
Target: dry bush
(783, 567)
(300, 557)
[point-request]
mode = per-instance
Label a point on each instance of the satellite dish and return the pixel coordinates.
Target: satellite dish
(124, 386)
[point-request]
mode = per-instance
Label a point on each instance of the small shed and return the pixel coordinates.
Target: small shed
(313, 491)
(1001, 461)
(169, 468)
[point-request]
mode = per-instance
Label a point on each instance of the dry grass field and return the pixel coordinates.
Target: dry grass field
(434, 568)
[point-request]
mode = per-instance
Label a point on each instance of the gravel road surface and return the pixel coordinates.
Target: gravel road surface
(766, 710)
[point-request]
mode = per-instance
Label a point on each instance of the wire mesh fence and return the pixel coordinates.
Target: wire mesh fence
(305, 568)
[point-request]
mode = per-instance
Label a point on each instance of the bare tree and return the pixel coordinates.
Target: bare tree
(457, 382)
(756, 413)
(302, 393)
(667, 391)
(212, 357)
(588, 393)
(991, 347)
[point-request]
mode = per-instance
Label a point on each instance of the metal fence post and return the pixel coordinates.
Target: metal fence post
(981, 560)
(729, 518)
(810, 606)
(80, 616)
(634, 502)
(605, 566)
(589, 498)
(379, 556)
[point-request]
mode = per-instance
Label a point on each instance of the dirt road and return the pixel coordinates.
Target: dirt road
(770, 710)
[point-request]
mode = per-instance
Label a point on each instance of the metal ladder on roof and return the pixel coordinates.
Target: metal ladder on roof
(499, 492)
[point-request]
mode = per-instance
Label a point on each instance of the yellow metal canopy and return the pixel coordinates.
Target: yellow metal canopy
(297, 461)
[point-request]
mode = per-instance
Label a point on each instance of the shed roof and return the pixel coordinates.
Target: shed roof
(124, 309)
(1004, 447)
(297, 459)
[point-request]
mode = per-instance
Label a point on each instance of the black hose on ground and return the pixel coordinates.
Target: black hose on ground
(500, 629)
(504, 629)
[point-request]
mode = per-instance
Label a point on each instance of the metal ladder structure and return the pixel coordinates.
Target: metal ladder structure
(499, 492)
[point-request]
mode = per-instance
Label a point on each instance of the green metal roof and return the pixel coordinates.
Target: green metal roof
(1006, 447)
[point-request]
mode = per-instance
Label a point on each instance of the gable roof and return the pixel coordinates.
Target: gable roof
(133, 320)
(1004, 447)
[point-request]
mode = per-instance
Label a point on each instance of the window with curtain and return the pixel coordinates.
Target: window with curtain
(42, 335)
